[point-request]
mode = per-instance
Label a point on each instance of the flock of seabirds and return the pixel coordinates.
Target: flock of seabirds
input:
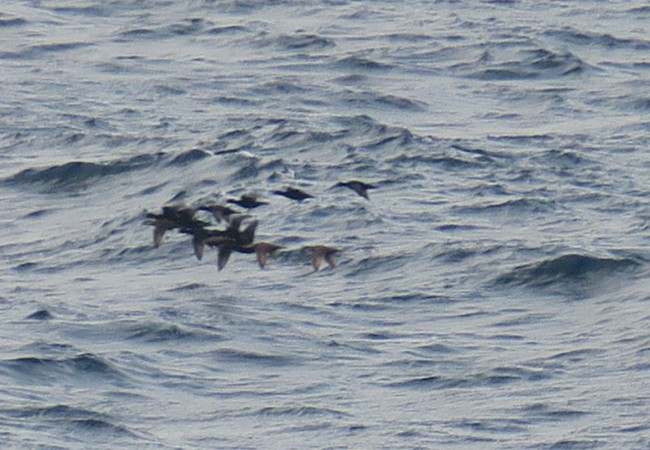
(234, 238)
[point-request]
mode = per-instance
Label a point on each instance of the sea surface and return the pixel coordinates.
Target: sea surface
(493, 292)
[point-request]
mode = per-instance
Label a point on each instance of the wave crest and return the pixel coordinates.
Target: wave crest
(79, 174)
(566, 269)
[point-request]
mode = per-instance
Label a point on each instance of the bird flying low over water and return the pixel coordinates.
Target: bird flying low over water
(359, 187)
(234, 240)
(172, 217)
(248, 201)
(221, 213)
(263, 251)
(238, 232)
(203, 236)
(293, 193)
(226, 240)
(320, 252)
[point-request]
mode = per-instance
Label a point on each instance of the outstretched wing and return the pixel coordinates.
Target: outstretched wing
(199, 245)
(316, 259)
(330, 260)
(222, 259)
(262, 256)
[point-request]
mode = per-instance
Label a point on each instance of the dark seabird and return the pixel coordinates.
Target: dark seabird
(231, 236)
(244, 237)
(359, 187)
(160, 227)
(203, 236)
(232, 239)
(320, 252)
(182, 215)
(172, 217)
(223, 255)
(265, 250)
(247, 201)
(262, 250)
(294, 194)
(221, 213)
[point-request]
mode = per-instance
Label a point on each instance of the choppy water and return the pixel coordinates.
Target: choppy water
(493, 293)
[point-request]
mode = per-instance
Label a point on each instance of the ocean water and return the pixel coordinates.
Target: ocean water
(494, 291)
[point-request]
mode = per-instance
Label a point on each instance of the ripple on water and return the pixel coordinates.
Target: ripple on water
(83, 423)
(85, 367)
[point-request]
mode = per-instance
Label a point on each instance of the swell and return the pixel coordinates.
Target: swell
(152, 332)
(81, 174)
(568, 268)
(495, 377)
(41, 50)
(605, 40)
(184, 27)
(85, 423)
(527, 63)
(84, 366)
(299, 411)
(296, 42)
(77, 173)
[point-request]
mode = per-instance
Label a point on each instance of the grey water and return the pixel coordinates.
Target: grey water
(493, 292)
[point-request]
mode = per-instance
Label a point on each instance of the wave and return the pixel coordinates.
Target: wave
(256, 358)
(41, 314)
(516, 206)
(566, 269)
(544, 412)
(282, 87)
(495, 377)
(38, 50)
(362, 64)
(299, 411)
(382, 101)
(80, 174)
(189, 26)
(571, 357)
(444, 159)
(354, 133)
(189, 157)
(38, 369)
(13, 22)
(375, 264)
(227, 29)
(295, 42)
(641, 104)
(526, 64)
(449, 155)
(162, 332)
(75, 419)
(185, 27)
(571, 35)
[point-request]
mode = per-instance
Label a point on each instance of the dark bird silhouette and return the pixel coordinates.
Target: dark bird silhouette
(232, 239)
(160, 227)
(172, 217)
(359, 187)
(320, 252)
(246, 236)
(231, 236)
(294, 194)
(201, 236)
(247, 201)
(263, 251)
(221, 213)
